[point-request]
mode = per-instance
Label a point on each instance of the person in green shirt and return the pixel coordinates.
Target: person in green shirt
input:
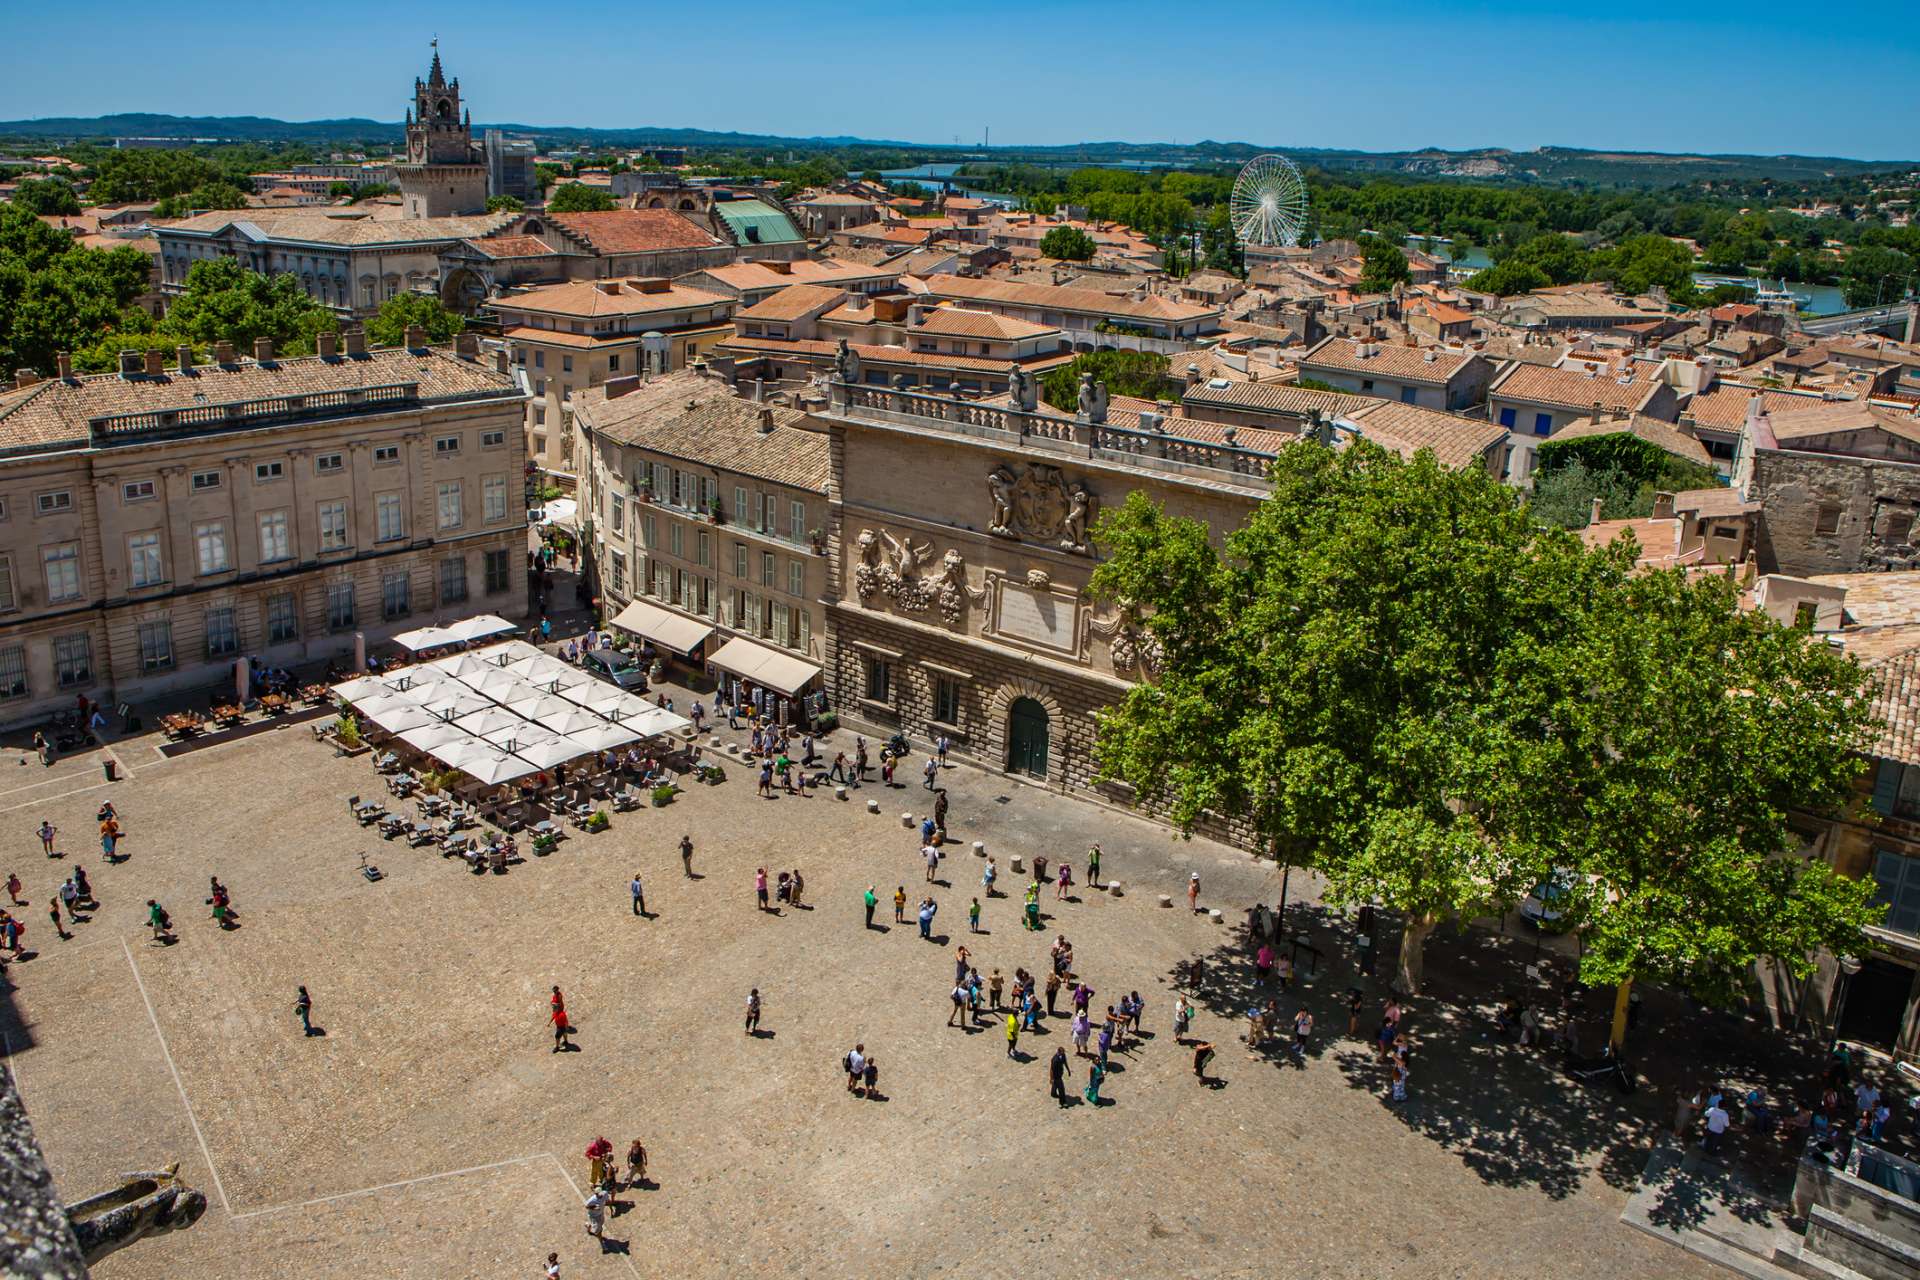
(872, 900)
(973, 917)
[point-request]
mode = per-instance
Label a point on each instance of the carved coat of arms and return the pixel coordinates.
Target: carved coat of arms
(1040, 504)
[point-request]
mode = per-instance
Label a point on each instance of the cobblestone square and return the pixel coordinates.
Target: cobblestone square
(432, 1132)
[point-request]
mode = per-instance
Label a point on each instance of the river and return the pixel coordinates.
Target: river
(1822, 299)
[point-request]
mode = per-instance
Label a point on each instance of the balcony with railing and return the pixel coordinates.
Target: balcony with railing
(1150, 446)
(199, 419)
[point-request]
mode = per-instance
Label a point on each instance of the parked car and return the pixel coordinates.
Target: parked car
(616, 668)
(1546, 906)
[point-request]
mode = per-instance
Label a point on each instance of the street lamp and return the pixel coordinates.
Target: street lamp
(1849, 966)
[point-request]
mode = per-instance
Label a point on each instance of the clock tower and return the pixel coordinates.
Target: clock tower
(443, 175)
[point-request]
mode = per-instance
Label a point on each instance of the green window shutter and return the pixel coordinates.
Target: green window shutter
(1886, 785)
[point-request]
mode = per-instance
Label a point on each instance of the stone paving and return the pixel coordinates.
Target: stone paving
(431, 1132)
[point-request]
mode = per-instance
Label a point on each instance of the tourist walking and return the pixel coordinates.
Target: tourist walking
(753, 1011)
(928, 909)
(1182, 1019)
(636, 1164)
(932, 769)
(47, 832)
(1053, 991)
(988, 876)
(158, 921)
(900, 905)
(870, 900)
(1013, 1036)
(931, 853)
(973, 917)
(856, 1065)
(1302, 1029)
(53, 910)
(303, 1008)
(1202, 1055)
(597, 1214)
(562, 1028)
(760, 887)
(634, 888)
(1096, 1075)
(1193, 892)
(1057, 1077)
(13, 889)
(686, 855)
(1093, 867)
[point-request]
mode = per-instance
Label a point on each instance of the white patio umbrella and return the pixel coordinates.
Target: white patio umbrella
(424, 638)
(604, 736)
(542, 667)
(601, 699)
(537, 703)
(511, 651)
(359, 687)
(416, 679)
(656, 720)
(479, 627)
(457, 701)
(461, 665)
(630, 707)
(483, 724)
(553, 751)
(436, 738)
(524, 735)
(485, 763)
(396, 714)
(497, 684)
(572, 720)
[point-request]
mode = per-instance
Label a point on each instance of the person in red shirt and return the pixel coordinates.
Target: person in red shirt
(561, 1030)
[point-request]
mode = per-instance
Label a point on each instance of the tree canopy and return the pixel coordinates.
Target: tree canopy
(1125, 373)
(1393, 674)
(211, 195)
(46, 196)
(56, 294)
(222, 302)
(504, 204)
(1382, 266)
(1070, 244)
(575, 197)
(388, 327)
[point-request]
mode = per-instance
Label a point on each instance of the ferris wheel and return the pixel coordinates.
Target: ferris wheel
(1269, 202)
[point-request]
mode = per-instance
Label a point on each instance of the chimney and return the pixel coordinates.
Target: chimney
(766, 421)
(223, 353)
(328, 345)
(156, 362)
(502, 362)
(416, 337)
(129, 364)
(24, 378)
(356, 339)
(63, 363)
(617, 387)
(609, 287)
(466, 345)
(1663, 506)
(263, 350)
(1593, 515)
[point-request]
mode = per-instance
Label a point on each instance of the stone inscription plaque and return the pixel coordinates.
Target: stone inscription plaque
(1037, 617)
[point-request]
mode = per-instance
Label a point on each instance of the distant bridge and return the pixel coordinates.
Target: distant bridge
(1890, 318)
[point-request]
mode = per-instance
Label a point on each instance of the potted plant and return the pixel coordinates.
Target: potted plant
(826, 722)
(819, 540)
(663, 795)
(643, 489)
(599, 821)
(717, 512)
(347, 730)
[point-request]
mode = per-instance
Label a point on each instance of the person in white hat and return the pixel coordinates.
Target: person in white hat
(1193, 891)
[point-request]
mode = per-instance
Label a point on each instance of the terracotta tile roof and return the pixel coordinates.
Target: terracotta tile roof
(958, 322)
(1571, 388)
(754, 277)
(1655, 538)
(1717, 503)
(613, 231)
(54, 413)
(626, 297)
(514, 247)
(1896, 705)
(700, 420)
(1442, 313)
(890, 355)
(1407, 429)
(1724, 406)
(834, 198)
(309, 226)
(1423, 365)
(1641, 427)
(1273, 397)
(792, 302)
(1081, 301)
(1833, 417)
(1211, 363)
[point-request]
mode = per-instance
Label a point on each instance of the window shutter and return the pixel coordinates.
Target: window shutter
(1886, 785)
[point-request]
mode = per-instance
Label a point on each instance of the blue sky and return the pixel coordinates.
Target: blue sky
(1836, 79)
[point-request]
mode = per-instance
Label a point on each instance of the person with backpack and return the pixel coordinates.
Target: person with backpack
(854, 1063)
(303, 1009)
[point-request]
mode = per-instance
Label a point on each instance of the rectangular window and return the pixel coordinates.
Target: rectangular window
(282, 624)
(1409, 395)
(493, 498)
(619, 573)
(749, 621)
(676, 539)
(797, 577)
(385, 453)
(879, 680)
(389, 523)
(263, 471)
(143, 560)
(683, 589)
(780, 632)
(539, 359)
(13, 672)
(769, 575)
(740, 503)
(328, 462)
(1508, 417)
(499, 571)
(223, 637)
(453, 580)
(446, 444)
(210, 545)
(396, 595)
(617, 509)
(73, 660)
(273, 537)
(1898, 881)
(55, 502)
(339, 606)
(451, 515)
(703, 553)
(156, 645)
(677, 485)
(62, 565)
(566, 363)
(1543, 424)
(333, 526)
(740, 561)
(1826, 519)
(6, 583)
(946, 700)
(797, 520)
(492, 439)
(136, 491)
(206, 480)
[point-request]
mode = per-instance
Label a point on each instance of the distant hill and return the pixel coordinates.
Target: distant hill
(1555, 166)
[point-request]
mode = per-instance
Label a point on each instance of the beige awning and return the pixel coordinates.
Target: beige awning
(671, 630)
(770, 667)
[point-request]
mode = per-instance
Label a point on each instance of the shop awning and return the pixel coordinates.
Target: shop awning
(669, 630)
(756, 662)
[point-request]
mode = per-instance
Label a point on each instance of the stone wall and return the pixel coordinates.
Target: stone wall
(1824, 513)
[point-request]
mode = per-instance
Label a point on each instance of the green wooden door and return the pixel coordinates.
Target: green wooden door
(1027, 738)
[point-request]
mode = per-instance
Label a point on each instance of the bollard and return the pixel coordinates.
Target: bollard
(839, 793)
(906, 820)
(1013, 864)
(1214, 915)
(979, 848)
(1113, 887)
(873, 806)
(1166, 899)
(733, 748)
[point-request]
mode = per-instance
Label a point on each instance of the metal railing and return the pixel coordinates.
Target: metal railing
(188, 419)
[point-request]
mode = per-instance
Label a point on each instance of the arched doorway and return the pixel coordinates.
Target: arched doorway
(1027, 734)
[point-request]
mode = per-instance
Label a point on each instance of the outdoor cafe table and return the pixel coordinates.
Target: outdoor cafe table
(274, 703)
(229, 713)
(181, 723)
(314, 694)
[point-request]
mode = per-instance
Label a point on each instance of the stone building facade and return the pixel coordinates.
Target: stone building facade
(1827, 513)
(959, 603)
(445, 174)
(159, 523)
